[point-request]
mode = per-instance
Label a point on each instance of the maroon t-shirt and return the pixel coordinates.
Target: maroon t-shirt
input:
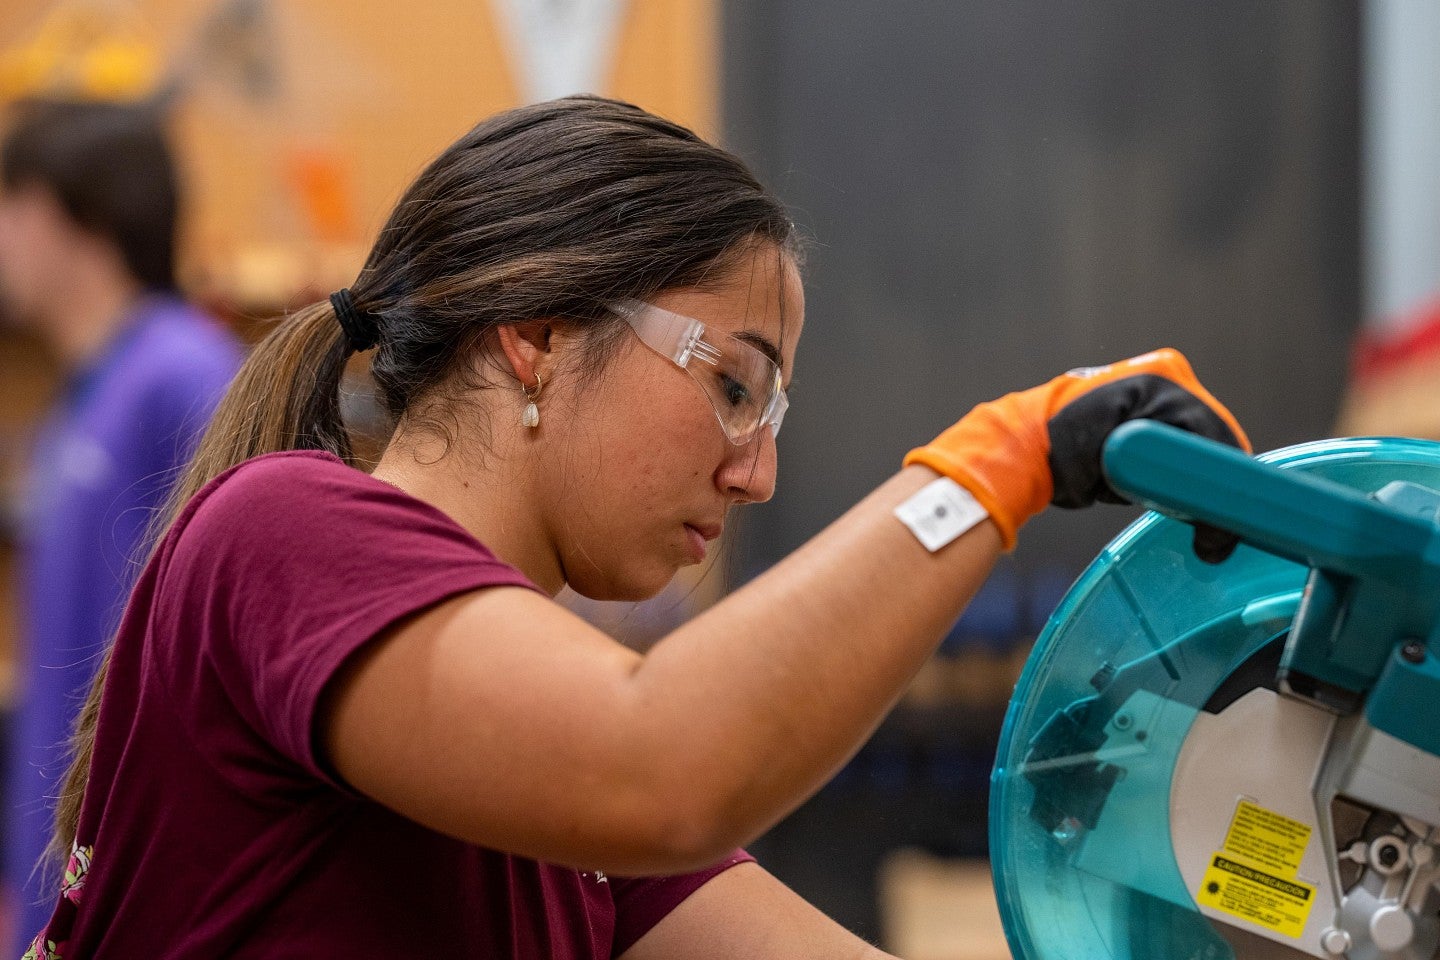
(211, 825)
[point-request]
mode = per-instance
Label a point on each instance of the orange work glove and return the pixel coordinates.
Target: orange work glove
(1042, 446)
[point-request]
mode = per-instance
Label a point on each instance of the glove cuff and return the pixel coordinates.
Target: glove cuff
(948, 466)
(991, 454)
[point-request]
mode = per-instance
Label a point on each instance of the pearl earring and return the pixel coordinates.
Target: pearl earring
(531, 416)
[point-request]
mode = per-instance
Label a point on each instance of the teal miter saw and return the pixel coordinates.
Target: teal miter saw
(1241, 760)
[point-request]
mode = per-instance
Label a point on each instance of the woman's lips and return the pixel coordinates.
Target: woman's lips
(698, 537)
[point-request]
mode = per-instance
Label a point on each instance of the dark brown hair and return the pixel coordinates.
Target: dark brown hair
(548, 211)
(110, 168)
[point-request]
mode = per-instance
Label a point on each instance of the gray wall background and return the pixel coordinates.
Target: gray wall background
(999, 190)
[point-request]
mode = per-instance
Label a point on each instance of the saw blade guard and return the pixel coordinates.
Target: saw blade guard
(1080, 805)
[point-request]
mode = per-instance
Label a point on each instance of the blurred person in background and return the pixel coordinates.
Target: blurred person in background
(344, 716)
(87, 263)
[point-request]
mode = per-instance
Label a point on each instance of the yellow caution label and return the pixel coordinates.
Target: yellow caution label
(1269, 901)
(1267, 839)
(1254, 877)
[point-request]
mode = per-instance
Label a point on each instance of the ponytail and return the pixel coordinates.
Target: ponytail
(285, 397)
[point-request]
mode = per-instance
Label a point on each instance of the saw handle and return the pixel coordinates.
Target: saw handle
(1301, 517)
(1374, 584)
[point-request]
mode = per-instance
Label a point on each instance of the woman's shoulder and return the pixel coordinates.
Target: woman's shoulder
(290, 466)
(299, 495)
(277, 479)
(303, 516)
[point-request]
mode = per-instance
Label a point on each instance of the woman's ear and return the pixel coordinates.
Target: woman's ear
(526, 347)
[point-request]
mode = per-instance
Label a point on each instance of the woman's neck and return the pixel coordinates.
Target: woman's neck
(489, 498)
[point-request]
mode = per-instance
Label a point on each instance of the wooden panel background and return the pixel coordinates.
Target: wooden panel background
(370, 91)
(365, 92)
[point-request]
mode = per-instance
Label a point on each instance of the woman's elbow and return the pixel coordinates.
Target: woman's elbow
(681, 828)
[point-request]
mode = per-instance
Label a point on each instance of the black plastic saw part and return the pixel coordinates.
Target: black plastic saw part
(1260, 670)
(1053, 770)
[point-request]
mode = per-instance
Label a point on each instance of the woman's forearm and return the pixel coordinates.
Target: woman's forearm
(766, 694)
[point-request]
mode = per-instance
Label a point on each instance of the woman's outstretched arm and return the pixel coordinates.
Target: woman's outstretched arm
(502, 719)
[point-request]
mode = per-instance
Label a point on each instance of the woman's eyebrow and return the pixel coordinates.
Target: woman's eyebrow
(762, 343)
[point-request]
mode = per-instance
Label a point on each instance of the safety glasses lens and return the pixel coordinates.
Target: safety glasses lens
(742, 384)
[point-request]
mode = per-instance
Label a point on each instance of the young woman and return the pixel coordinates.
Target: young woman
(343, 715)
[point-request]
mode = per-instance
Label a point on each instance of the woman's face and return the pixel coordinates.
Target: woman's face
(645, 475)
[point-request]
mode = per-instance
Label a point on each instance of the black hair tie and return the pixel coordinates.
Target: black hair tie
(361, 330)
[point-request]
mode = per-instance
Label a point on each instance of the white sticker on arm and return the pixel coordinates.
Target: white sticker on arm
(940, 512)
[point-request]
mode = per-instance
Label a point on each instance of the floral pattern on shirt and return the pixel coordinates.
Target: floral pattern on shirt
(76, 870)
(42, 949)
(71, 889)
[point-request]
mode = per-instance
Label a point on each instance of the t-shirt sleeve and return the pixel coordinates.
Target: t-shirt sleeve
(642, 902)
(288, 567)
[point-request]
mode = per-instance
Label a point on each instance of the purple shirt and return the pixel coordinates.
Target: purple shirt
(212, 825)
(104, 458)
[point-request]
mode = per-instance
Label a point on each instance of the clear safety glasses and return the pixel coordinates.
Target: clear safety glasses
(742, 384)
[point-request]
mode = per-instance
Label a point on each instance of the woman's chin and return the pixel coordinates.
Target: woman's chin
(631, 590)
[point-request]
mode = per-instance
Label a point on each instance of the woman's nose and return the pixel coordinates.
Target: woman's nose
(748, 473)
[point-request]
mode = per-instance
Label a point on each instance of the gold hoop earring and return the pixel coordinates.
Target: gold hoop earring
(531, 417)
